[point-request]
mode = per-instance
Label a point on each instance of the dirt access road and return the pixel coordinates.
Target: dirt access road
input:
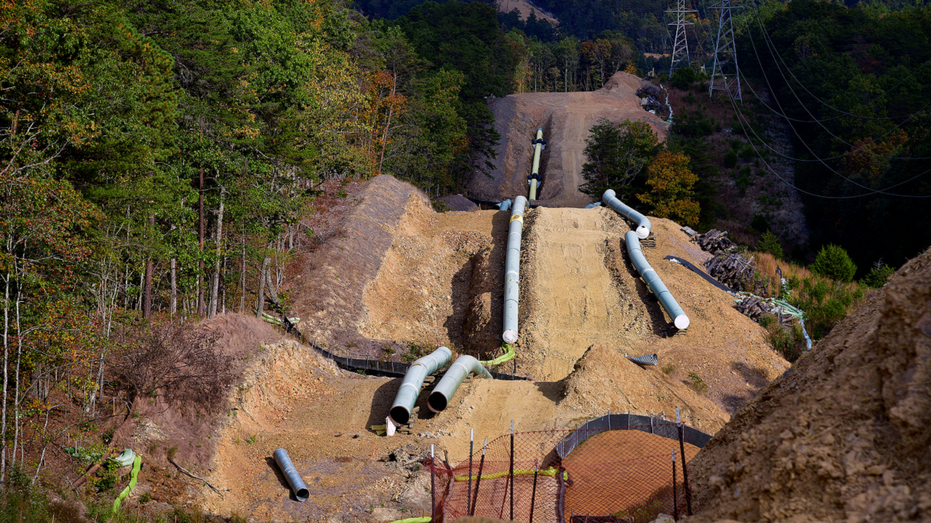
(565, 119)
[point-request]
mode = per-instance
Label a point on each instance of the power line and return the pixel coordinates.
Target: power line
(725, 51)
(839, 156)
(768, 39)
(741, 118)
(828, 131)
(680, 48)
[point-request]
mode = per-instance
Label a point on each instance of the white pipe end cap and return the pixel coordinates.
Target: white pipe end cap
(642, 232)
(509, 336)
(682, 322)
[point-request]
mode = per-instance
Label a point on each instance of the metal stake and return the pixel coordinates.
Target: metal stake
(512, 470)
(533, 493)
(469, 494)
(432, 486)
(481, 465)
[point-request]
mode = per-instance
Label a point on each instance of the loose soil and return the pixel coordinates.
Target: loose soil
(843, 437)
(840, 436)
(418, 277)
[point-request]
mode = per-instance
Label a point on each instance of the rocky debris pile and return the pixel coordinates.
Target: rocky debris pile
(716, 242)
(843, 436)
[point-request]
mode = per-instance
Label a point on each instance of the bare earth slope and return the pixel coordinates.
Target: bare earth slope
(844, 437)
(292, 398)
(565, 119)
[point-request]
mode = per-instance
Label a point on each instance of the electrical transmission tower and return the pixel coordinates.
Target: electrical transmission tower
(725, 53)
(680, 48)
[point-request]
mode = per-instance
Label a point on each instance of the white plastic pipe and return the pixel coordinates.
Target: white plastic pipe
(654, 283)
(457, 373)
(404, 402)
(512, 271)
(643, 224)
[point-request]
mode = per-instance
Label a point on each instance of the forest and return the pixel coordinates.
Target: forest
(155, 156)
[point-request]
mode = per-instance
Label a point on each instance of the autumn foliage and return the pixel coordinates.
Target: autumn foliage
(671, 182)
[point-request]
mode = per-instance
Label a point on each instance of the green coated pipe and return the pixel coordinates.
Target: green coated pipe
(404, 402)
(654, 283)
(643, 224)
(457, 373)
(534, 177)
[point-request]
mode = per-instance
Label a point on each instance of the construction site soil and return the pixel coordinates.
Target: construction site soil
(841, 436)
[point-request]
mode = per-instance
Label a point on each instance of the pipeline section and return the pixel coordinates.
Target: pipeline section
(290, 473)
(643, 224)
(404, 402)
(534, 179)
(457, 373)
(512, 271)
(654, 283)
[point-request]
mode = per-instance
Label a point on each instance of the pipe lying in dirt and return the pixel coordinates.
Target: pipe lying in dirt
(643, 224)
(457, 373)
(512, 271)
(654, 283)
(535, 178)
(404, 402)
(290, 473)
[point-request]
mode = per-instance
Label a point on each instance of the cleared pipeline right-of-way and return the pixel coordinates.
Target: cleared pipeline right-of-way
(652, 280)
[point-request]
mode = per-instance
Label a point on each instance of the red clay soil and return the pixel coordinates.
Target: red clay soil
(843, 436)
(621, 470)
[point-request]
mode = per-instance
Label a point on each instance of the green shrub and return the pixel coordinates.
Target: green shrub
(834, 262)
(730, 159)
(683, 78)
(878, 275)
(770, 243)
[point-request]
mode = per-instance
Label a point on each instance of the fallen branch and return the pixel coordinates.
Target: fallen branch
(188, 472)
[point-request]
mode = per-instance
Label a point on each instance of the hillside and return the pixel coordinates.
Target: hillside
(291, 396)
(565, 119)
(843, 437)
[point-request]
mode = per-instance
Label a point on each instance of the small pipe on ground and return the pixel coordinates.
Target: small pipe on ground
(291, 475)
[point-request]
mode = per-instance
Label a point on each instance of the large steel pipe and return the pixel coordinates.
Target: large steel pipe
(290, 473)
(404, 402)
(643, 224)
(512, 271)
(457, 373)
(654, 283)
(535, 178)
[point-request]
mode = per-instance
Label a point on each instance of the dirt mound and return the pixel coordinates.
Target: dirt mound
(605, 380)
(565, 119)
(328, 292)
(396, 276)
(580, 289)
(573, 297)
(163, 423)
(844, 435)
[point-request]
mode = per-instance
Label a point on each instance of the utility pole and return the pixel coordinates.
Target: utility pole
(680, 47)
(725, 53)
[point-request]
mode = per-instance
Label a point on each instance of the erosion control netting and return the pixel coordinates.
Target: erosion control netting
(610, 469)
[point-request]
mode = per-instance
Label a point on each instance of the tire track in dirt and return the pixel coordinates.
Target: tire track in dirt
(575, 301)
